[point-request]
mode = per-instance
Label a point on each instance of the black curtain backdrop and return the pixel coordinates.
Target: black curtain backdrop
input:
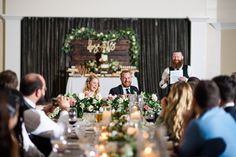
(42, 40)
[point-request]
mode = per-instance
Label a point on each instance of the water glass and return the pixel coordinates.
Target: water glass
(98, 116)
(59, 144)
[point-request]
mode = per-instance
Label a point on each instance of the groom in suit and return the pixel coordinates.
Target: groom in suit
(125, 87)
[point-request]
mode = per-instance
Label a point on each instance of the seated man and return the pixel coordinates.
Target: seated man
(227, 87)
(37, 123)
(213, 122)
(125, 87)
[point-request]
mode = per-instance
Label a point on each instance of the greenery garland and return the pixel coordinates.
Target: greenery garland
(89, 33)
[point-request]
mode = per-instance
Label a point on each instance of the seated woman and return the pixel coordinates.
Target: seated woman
(174, 107)
(9, 111)
(92, 87)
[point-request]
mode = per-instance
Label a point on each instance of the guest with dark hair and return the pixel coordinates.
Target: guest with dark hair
(13, 104)
(213, 122)
(8, 79)
(38, 124)
(193, 79)
(125, 87)
(5, 147)
(227, 87)
(233, 76)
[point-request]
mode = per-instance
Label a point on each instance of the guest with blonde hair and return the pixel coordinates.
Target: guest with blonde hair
(92, 86)
(174, 107)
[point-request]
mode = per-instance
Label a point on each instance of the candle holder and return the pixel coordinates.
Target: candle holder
(106, 115)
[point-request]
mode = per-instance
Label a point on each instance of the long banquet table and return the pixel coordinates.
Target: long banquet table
(76, 84)
(89, 145)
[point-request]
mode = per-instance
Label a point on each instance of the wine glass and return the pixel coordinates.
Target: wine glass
(72, 116)
(150, 118)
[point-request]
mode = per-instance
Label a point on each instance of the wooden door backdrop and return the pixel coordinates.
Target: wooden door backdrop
(80, 54)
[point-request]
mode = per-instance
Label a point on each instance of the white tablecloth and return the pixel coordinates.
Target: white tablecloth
(76, 84)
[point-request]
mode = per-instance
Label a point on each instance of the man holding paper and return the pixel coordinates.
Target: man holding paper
(177, 72)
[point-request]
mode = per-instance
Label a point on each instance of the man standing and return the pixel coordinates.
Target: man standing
(125, 87)
(37, 123)
(177, 72)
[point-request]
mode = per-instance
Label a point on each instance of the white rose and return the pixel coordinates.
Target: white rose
(94, 101)
(114, 133)
(71, 37)
(101, 109)
(154, 97)
(119, 110)
(90, 108)
(82, 105)
(98, 97)
(81, 96)
(82, 29)
(120, 100)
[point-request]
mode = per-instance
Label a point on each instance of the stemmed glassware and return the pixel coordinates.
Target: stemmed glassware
(150, 118)
(72, 116)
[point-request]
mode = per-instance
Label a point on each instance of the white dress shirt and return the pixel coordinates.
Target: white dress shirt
(229, 104)
(166, 73)
(29, 148)
(125, 90)
(38, 123)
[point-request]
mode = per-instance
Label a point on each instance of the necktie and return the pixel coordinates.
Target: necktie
(127, 91)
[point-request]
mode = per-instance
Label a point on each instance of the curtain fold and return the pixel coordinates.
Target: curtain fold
(42, 40)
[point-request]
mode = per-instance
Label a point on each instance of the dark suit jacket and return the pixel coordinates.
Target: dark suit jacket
(231, 111)
(119, 90)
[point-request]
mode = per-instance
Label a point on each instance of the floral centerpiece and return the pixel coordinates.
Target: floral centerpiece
(151, 104)
(124, 136)
(92, 66)
(119, 104)
(113, 66)
(82, 104)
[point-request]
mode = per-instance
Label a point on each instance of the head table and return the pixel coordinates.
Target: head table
(75, 84)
